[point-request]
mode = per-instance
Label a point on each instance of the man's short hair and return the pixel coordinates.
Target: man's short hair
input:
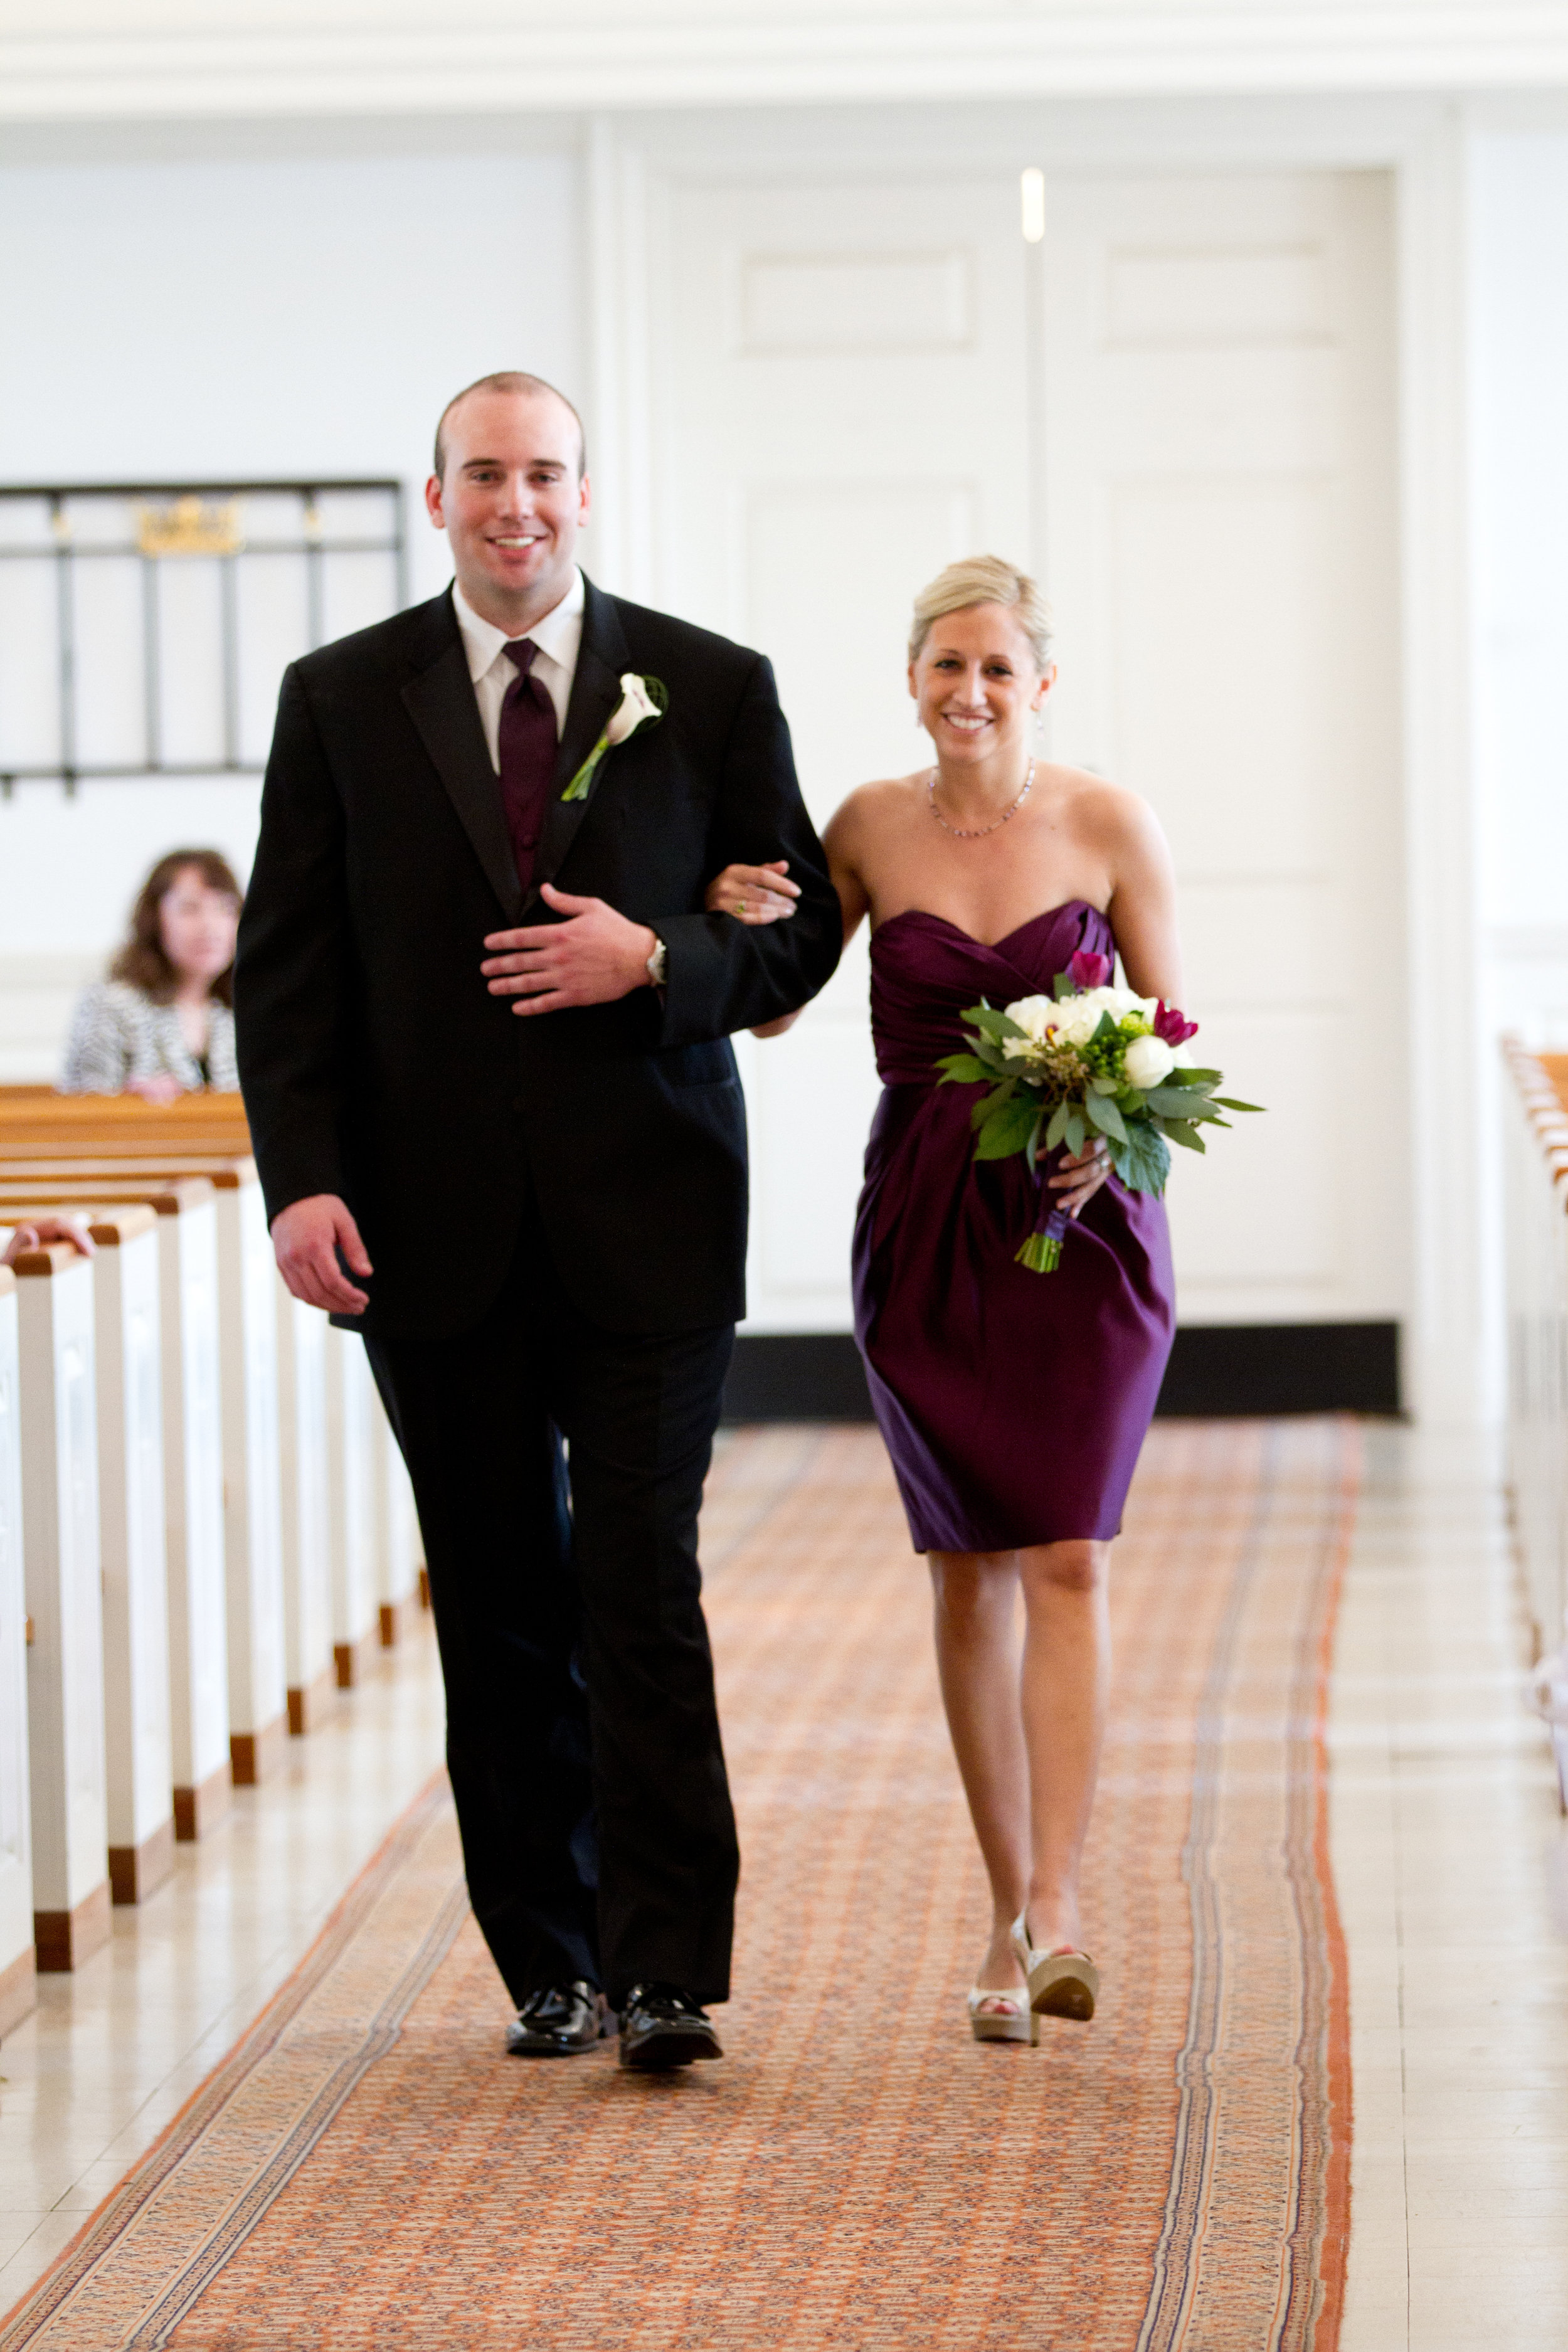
(508, 380)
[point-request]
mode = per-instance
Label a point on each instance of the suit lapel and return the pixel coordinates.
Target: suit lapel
(441, 703)
(595, 692)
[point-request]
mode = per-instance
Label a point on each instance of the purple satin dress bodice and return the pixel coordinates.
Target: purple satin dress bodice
(1014, 1404)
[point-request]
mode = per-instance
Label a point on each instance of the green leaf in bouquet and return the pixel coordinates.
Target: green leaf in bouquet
(1182, 1131)
(1057, 1129)
(990, 1103)
(1076, 1133)
(1143, 1162)
(1063, 986)
(1168, 1101)
(1230, 1103)
(1032, 1143)
(1109, 1026)
(993, 1023)
(1009, 1130)
(1103, 1114)
(1182, 1076)
(964, 1070)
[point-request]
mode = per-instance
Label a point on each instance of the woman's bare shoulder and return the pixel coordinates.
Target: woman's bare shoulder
(1109, 815)
(871, 808)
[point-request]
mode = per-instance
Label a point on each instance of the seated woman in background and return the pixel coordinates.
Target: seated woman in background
(162, 1024)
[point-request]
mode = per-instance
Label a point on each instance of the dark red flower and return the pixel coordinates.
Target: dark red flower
(1173, 1026)
(1087, 969)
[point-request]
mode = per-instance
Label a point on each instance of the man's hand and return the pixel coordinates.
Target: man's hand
(594, 957)
(306, 1238)
(40, 1232)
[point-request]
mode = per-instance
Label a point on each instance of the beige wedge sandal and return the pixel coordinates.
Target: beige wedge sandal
(1061, 1984)
(1016, 2022)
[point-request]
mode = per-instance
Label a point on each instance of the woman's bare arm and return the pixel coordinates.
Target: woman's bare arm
(754, 896)
(1142, 909)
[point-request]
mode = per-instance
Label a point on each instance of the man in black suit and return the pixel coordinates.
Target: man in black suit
(499, 1128)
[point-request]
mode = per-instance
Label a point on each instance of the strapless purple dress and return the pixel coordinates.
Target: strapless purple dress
(1014, 1404)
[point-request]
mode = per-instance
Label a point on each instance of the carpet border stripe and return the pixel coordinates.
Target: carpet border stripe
(49, 2295)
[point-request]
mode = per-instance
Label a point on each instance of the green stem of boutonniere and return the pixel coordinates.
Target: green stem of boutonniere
(577, 789)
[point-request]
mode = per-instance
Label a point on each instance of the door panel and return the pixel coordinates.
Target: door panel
(848, 397)
(1219, 484)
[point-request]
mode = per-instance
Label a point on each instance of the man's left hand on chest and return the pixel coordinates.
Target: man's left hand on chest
(592, 958)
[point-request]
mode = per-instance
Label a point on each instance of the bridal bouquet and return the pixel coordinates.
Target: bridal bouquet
(1090, 1060)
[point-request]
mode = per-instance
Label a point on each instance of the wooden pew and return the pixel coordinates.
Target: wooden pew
(399, 1553)
(133, 1544)
(193, 1491)
(19, 1968)
(64, 1593)
(252, 1478)
(350, 1395)
(305, 1453)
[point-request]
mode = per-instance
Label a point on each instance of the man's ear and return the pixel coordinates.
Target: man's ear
(433, 506)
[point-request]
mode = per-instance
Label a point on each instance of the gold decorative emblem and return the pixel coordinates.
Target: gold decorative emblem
(190, 526)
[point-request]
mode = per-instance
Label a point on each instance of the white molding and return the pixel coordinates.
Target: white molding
(1447, 1361)
(534, 55)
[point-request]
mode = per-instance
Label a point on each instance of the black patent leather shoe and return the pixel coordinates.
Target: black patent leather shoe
(559, 2021)
(663, 2027)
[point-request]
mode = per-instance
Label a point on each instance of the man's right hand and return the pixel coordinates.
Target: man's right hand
(306, 1238)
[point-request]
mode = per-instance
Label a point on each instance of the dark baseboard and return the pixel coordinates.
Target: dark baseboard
(1216, 1371)
(796, 1376)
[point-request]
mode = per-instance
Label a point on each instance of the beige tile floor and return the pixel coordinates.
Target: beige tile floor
(113, 2051)
(1451, 1862)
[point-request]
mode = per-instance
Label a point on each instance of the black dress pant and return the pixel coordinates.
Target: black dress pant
(582, 1732)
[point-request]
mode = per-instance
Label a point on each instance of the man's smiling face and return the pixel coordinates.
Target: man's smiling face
(511, 501)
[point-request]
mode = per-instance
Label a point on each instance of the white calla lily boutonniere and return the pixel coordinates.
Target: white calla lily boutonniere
(643, 703)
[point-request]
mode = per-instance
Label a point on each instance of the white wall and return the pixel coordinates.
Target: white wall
(279, 315)
(1520, 324)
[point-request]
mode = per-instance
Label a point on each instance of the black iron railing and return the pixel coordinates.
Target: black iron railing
(144, 626)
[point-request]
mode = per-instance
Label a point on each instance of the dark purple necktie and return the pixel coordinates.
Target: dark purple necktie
(527, 748)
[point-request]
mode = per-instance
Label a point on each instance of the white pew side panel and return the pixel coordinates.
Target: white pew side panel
(193, 1483)
(306, 1525)
(64, 1588)
(140, 1761)
(18, 1985)
(350, 1395)
(252, 1478)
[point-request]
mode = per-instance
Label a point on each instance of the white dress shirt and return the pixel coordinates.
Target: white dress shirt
(558, 635)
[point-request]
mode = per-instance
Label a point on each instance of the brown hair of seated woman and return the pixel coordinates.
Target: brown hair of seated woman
(142, 962)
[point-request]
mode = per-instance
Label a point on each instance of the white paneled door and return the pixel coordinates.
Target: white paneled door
(1219, 474)
(844, 411)
(1178, 411)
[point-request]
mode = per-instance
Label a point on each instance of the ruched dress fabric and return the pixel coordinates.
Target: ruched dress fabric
(1012, 1404)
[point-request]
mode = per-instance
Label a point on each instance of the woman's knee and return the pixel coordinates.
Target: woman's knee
(1079, 1565)
(969, 1586)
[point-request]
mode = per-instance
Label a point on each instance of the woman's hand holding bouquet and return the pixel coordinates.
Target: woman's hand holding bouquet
(1092, 1060)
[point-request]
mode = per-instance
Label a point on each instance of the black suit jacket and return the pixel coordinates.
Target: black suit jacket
(376, 1065)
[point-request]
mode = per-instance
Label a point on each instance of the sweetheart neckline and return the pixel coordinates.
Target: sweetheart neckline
(988, 947)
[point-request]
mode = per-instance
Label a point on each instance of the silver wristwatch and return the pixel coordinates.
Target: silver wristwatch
(658, 964)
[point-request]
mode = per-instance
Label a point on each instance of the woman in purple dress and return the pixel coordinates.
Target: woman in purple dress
(1014, 1404)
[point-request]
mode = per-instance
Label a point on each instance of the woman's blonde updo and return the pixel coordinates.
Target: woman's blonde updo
(984, 579)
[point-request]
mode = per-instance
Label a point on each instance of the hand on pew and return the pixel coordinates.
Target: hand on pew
(40, 1230)
(307, 1237)
(163, 1087)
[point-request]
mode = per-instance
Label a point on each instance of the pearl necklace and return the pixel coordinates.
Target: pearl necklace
(976, 832)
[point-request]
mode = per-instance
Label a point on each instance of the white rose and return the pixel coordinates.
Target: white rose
(635, 705)
(1034, 1016)
(1149, 1059)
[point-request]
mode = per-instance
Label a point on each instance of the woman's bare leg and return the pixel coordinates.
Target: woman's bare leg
(1066, 1678)
(975, 1598)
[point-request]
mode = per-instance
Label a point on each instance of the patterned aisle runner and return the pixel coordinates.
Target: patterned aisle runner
(366, 2171)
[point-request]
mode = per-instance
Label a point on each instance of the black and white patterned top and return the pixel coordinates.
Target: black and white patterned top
(117, 1034)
